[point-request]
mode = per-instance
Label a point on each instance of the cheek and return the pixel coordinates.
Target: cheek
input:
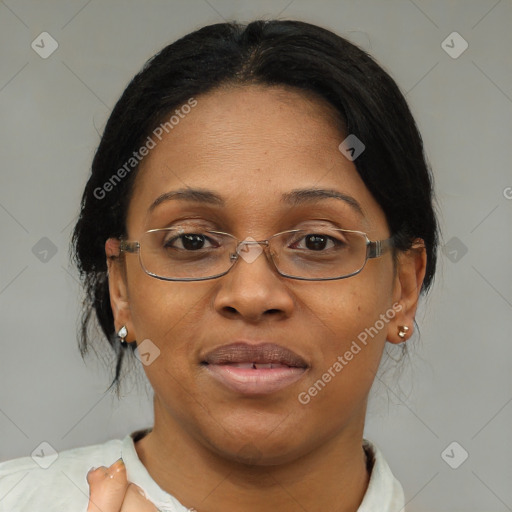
(348, 307)
(353, 317)
(167, 313)
(354, 332)
(171, 316)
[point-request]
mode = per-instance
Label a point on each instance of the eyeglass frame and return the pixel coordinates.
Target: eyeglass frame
(374, 249)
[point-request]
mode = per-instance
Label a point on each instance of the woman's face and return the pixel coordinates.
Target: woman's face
(250, 146)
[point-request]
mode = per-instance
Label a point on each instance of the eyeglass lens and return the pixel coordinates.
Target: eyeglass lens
(189, 252)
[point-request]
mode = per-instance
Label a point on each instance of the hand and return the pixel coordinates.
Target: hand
(110, 491)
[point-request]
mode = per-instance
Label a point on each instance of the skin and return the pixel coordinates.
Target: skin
(251, 144)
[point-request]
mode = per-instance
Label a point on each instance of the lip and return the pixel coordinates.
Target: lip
(254, 369)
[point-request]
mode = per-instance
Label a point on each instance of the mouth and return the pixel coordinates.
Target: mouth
(254, 369)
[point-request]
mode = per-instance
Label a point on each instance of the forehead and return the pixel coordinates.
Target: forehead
(253, 145)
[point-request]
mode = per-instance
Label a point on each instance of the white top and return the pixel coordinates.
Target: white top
(46, 485)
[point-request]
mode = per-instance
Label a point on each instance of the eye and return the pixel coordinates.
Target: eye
(319, 241)
(188, 242)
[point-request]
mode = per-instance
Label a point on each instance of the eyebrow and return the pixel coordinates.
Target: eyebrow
(295, 197)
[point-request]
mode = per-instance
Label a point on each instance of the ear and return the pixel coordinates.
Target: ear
(410, 272)
(117, 288)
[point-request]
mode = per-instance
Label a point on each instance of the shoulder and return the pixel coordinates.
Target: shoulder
(53, 482)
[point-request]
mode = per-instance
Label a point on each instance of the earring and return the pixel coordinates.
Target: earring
(402, 331)
(122, 333)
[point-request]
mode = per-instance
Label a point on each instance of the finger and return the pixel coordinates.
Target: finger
(107, 488)
(135, 501)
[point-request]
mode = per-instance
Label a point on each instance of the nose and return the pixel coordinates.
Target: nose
(252, 288)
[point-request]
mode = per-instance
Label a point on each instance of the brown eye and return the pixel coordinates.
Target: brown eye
(189, 242)
(318, 242)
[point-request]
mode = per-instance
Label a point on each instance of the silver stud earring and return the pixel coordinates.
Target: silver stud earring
(402, 331)
(122, 333)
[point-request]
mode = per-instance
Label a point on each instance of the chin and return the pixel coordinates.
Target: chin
(262, 447)
(256, 455)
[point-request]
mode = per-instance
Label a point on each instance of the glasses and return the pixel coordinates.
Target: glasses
(193, 253)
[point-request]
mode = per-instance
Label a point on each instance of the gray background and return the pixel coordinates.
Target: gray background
(456, 385)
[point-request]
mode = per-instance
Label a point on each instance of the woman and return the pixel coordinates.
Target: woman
(259, 222)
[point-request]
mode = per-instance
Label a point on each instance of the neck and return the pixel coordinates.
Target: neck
(334, 474)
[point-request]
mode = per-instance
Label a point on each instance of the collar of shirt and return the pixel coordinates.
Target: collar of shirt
(384, 492)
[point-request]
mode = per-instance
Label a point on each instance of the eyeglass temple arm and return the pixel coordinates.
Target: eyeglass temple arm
(380, 247)
(125, 246)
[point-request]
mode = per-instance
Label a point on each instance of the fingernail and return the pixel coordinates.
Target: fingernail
(91, 470)
(116, 467)
(119, 462)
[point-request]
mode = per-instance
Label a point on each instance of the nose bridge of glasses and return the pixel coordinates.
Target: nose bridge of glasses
(249, 250)
(251, 241)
